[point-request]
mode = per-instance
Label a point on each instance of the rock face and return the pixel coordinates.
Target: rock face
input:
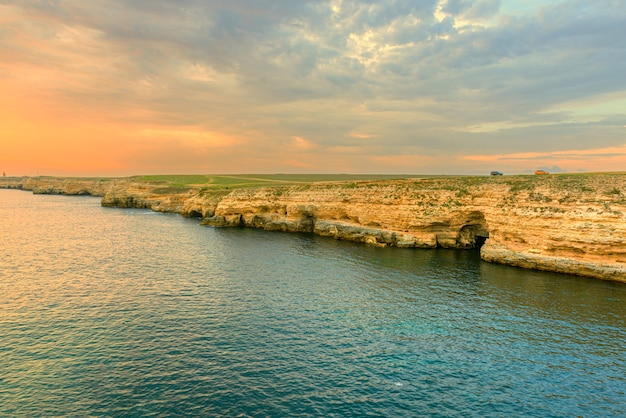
(57, 185)
(146, 195)
(372, 213)
(578, 227)
(573, 224)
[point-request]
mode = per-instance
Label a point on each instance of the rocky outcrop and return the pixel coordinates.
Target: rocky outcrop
(375, 213)
(566, 224)
(147, 195)
(573, 224)
(533, 259)
(57, 185)
(203, 203)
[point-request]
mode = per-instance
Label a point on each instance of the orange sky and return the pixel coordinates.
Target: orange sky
(108, 88)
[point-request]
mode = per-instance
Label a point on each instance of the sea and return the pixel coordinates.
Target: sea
(108, 312)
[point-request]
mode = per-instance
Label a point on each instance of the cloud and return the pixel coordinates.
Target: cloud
(569, 160)
(473, 10)
(300, 143)
(395, 78)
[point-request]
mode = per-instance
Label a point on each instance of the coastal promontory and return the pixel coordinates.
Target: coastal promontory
(566, 223)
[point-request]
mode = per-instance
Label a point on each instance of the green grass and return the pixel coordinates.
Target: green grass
(460, 185)
(177, 179)
(184, 181)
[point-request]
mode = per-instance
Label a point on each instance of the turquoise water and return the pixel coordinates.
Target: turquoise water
(123, 312)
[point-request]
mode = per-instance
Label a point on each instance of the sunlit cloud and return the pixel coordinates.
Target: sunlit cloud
(612, 159)
(501, 126)
(197, 72)
(313, 85)
(300, 143)
(193, 137)
(360, 135)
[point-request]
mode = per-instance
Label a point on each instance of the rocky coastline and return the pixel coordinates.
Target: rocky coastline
(573, 224)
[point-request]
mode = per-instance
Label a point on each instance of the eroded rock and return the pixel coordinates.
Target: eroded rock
(568, 224)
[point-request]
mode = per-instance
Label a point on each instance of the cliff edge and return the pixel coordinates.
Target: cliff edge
(574, 224)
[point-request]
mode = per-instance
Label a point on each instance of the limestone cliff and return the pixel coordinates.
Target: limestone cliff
(572, 224)
(115, 192)
(147, 195)
(58, 185)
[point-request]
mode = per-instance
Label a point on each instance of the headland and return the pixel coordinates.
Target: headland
(566, 223)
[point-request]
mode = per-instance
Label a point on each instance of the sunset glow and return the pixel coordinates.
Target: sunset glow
(108, 87)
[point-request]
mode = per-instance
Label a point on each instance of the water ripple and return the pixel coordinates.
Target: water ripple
(108, 312)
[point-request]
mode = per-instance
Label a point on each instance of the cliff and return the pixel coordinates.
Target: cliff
(573, 224)
(115, 192)
(57, 185)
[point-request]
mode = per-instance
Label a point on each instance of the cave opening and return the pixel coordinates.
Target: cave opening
(195, 214)
(480, 241)
(472, 236)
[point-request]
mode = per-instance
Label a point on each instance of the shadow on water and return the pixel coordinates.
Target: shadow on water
(566, 295)
(454, 273)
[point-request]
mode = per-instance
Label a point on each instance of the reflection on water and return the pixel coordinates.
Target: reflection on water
(114, 312)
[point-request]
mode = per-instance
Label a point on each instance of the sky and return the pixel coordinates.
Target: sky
(118, 87)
